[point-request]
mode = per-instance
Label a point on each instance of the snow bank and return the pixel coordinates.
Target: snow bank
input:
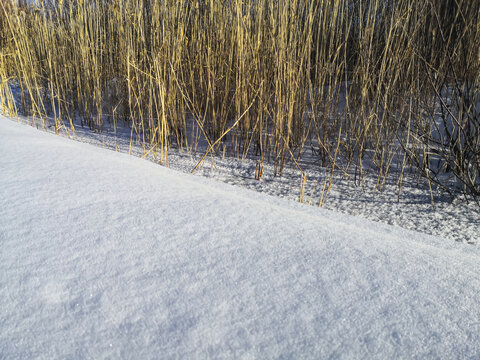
(104, 255)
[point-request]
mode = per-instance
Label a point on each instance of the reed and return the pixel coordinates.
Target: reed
(371, 87)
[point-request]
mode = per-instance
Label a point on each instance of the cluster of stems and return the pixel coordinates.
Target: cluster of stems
(379, 87)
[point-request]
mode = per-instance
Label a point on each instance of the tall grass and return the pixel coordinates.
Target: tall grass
(369, 86)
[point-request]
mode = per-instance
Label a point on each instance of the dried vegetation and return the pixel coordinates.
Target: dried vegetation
(371, 86)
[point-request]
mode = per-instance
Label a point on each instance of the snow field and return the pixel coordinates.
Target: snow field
(104, 255)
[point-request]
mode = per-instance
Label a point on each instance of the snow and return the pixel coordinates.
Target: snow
(104, 255)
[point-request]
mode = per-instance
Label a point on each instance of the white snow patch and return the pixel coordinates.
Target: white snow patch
(104, 255)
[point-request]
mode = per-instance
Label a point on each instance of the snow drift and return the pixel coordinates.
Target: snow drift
(104, 255)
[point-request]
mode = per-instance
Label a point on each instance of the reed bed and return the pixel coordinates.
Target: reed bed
(370, 87)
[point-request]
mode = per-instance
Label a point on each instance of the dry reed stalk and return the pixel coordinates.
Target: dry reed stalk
(261, 77)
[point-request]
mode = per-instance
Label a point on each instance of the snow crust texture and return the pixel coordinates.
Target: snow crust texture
(103, 255)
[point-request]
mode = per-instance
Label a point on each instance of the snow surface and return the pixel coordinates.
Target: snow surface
(104, 255)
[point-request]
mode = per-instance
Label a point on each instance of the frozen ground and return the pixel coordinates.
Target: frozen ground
(104, 255)
(456, 220)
